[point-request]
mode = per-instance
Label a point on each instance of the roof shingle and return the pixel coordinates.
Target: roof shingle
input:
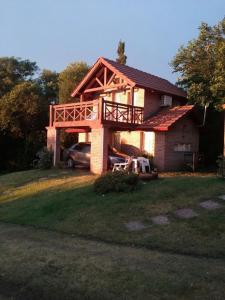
(165, 118)
(147, 80)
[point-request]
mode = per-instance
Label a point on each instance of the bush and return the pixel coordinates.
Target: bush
(44, 159)
(221, 166)
(118, 181)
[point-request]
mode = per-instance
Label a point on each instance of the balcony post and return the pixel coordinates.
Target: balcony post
(101, 109)
(50, 115)
(132, 103)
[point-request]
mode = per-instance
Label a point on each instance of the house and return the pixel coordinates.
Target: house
(131, 110)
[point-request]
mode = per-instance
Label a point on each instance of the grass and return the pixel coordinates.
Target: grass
(37, 264)
(52, 261)
(67, 203)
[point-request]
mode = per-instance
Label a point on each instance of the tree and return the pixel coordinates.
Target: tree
(121, 58)
(23, 118)
(20, 109)
(48, 81)
(201, 65)
(13, 71)
(69, 78)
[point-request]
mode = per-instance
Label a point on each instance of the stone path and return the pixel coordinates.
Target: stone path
(160, 220)
(182, 213)
(186, 213)
(135, 226)
(210, 205)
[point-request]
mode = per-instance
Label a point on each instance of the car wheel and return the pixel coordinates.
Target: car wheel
(70, 163)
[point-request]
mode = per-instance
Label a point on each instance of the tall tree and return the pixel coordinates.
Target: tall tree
(121, 58)
(23, 117)
(48, 81)
(69, 78)
(201, 65)
(13, 71)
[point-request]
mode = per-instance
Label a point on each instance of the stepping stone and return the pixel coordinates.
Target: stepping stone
(135, 226)
(210, 205)
(186, 213)
(160, 220)
(222, 197)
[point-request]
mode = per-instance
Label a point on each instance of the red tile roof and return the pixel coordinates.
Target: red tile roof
(146, 80)
(165, 118)
(134, 77)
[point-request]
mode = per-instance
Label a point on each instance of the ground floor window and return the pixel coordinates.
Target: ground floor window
(182, 147)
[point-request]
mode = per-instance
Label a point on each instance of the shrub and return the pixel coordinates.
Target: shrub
(118, 181)
(44, 159)
(221, 166)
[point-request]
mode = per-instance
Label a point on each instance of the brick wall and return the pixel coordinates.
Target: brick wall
(100, 139)
(184, 132)
(159, 158)
(152, 103)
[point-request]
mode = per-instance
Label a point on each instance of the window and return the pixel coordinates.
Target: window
(182, 147)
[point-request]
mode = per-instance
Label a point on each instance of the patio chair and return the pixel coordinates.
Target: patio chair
(144, 163)
(126, 166)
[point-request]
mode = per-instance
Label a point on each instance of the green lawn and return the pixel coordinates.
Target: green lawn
(67, 203)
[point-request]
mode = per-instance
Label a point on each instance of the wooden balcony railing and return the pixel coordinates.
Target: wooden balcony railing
(102, 111)
(122, 113)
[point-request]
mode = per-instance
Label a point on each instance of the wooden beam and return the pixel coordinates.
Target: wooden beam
(111, 79)
(105, 75)
(81, 97)
(98, 81)
(132, 95)
(99, 73)
(102, 88)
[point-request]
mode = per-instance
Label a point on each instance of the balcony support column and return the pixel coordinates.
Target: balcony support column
(99, 150)
(53, 143)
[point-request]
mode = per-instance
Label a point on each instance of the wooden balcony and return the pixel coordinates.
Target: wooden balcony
(93, 113)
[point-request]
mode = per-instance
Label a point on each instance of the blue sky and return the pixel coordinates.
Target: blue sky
(55, 33)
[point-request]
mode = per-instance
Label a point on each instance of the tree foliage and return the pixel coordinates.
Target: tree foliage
(20, 109)
(121, 58)
(13, 71)
(69, 78)
(48, 81)
(201, 65)
(25, 95)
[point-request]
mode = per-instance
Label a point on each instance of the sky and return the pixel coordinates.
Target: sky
(55, 33)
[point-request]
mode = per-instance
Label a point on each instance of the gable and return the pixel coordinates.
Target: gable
(102, 77)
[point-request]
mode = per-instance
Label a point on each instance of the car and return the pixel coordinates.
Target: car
(80, 154)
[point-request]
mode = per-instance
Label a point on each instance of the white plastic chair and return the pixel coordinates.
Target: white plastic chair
(123, 166)
(144, 162)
